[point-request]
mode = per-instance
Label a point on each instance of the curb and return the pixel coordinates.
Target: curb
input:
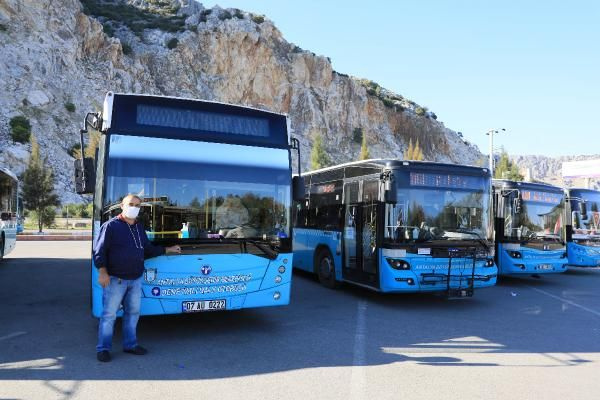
(53, 237)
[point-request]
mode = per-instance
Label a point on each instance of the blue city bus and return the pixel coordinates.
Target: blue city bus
(529, 228)
(9, 187)
(583, 227)
(397, 226)
(215, 179)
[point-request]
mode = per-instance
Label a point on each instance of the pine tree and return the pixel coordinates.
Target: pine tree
(506, 169)
(38, 186)
(318, 156)
(413, 152)
(408, 153)
(418, 153)
(364, 149)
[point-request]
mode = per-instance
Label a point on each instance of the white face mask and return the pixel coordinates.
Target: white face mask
(131, 212)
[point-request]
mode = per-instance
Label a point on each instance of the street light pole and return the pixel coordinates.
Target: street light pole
(490, 133)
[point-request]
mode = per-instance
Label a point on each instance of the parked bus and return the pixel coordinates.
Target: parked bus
(9, 187)
(529, 228)
(583, 227)
(397, 226)
(215, 179)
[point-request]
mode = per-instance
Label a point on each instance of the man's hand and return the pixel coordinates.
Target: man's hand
(103, 278)
(173, 249)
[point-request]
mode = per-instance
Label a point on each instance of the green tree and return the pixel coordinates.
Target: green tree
(364, 149)
(38, 186)
(318, 156)
(46, 215)
(506, 169)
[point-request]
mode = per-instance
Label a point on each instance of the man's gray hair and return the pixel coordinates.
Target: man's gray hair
(130, 197)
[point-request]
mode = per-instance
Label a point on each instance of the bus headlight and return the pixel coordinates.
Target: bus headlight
(398, 264)
(281, 269)
(489, 262)
(516, 254)
(278, 279)
(276, 296)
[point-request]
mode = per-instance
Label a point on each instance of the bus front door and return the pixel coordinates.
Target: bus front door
(360, 251)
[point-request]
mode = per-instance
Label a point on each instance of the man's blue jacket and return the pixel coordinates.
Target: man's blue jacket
(121, 248)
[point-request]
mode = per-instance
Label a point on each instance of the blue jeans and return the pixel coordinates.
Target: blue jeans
(129, 293)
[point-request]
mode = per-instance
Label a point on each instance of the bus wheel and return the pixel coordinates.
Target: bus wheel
(1, 247)
(326, 269)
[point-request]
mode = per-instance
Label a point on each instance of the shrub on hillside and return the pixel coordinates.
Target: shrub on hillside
(420, 111)
(127, 50)
(258, 19)
(70, 107)
(20, 129)
(238, 14)
(171, 44)
(225, 15)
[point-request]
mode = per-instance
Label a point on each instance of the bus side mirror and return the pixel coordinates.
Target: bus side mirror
(85, 175)
(583, 210)
(390, 191)
(517, 205)
(298, 188)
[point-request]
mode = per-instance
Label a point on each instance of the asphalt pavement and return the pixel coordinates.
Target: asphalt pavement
(523, 339)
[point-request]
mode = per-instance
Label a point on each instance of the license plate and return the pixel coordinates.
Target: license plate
(203, 305)
(544, 266)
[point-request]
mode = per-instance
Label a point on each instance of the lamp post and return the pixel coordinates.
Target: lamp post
(490, 133)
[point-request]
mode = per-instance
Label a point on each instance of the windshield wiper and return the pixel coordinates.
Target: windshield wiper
(478, 237)
(264, 247)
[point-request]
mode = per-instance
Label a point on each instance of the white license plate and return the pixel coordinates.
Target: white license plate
(544, 266)
(203, 305)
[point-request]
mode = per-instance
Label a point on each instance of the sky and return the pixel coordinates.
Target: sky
(530, 67)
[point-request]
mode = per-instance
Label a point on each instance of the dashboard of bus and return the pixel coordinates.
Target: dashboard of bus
(189, 196)
(586, 228)
(539, 219)
(429, 209)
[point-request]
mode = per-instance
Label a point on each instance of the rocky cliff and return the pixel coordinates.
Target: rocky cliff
(549, 169)
(56, 54)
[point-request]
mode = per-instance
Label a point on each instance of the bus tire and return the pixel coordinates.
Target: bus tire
(2, 247)
(325, 269)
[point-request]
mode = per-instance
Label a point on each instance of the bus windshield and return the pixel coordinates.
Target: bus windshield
(189, 194)
(426, 211)
(540, 217)
(587, 229)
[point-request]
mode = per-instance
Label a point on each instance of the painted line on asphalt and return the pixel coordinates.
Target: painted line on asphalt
(12, 335)
(596, 313)
(358, 376)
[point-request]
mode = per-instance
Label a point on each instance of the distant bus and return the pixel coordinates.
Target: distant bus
(397, 226)
(214, 178)
(9, 187)
(583, 227)
(529, 228)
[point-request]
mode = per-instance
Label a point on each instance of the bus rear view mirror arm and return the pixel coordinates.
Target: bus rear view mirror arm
(298, 188)
(85, 174)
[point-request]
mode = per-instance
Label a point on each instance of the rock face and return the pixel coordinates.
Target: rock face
(549, 169)
(67, 51)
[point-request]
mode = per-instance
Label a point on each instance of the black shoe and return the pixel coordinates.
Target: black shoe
(137, 350)
(103, 356)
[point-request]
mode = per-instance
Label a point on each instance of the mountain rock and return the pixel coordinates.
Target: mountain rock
(55, 53)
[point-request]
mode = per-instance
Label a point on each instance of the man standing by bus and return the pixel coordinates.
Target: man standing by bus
(119, 253)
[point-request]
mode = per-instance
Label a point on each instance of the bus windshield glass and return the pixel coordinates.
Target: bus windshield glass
(540, 217)
(439, 207)
(587, 229)
(198, 190)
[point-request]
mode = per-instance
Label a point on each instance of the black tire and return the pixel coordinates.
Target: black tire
(1, 247)
(325, 269)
